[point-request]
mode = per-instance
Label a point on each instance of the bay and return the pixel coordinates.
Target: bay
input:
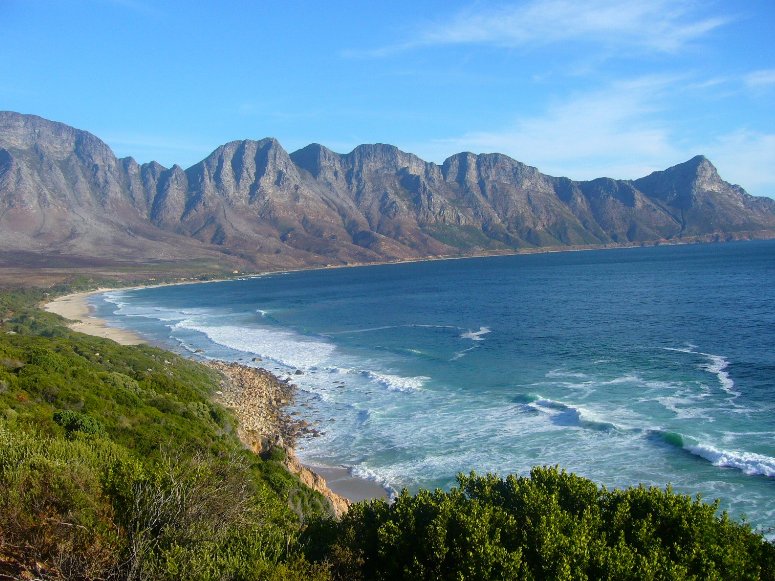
(644, 365)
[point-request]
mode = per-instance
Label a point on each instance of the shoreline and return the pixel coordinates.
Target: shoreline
(76, 308)
(259, 400)
(256, 396)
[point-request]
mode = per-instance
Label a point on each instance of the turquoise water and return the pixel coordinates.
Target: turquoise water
(650, 365)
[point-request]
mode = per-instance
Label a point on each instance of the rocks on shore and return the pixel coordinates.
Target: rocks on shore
(259, 401)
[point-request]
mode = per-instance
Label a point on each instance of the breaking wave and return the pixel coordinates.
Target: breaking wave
(563, 414)
(749, 463)
(284, 347)
(396, 382)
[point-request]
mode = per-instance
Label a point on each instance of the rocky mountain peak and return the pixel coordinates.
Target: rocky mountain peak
(681, 183)
(50, 138)
(62, 189)
(706, 175)
(379, 155)
(315, 158)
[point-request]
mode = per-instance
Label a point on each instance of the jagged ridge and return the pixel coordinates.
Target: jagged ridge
(250, 202)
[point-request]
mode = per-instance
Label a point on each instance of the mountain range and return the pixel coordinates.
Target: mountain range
(251, 204)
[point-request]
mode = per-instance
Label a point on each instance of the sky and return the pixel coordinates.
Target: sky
(577, 89)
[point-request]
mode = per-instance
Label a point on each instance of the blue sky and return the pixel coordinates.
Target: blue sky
(578, 89)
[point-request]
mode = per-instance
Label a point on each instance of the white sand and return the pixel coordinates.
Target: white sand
(76, 308)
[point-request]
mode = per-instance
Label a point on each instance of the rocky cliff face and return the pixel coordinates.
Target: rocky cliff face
(62, 191)
(251, 203)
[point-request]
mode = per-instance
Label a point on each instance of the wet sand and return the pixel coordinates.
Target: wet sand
(350, 487)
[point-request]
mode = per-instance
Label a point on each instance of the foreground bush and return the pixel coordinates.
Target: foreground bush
(550, 525)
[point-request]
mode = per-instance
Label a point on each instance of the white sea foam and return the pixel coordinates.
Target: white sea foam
(629, 378)
(560, 373)
(396, 382)
(462, 353)
(166, 315)
(284, 347)
(115, 297)
(365, 473)
(685, 408)
(386, 327)
(366, 330)
(748, 462)
(716, 364)
(564, 414)
(681, 349)
(476, 335)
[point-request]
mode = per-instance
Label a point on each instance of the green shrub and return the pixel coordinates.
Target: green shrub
(551, 525)
(73, 421)
(52, 502)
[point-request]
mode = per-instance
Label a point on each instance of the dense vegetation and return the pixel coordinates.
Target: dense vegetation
(115, 463)
(550, 525)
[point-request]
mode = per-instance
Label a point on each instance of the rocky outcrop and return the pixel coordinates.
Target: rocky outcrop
(251, 204)
(259, 401)
(63, 192)
(310, 479)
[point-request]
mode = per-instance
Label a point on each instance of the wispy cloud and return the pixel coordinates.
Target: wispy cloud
(615, 131)
(621, 131)
(762, 78)
(655, 26)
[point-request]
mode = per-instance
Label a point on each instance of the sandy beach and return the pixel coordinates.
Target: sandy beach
(339, 479)
(76, 308)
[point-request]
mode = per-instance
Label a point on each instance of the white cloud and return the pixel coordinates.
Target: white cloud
(654, 26)
(614, 132)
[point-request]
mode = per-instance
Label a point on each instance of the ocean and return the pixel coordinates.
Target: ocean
(627, 366)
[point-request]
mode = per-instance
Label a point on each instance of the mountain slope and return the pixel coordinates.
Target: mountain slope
(251, 203)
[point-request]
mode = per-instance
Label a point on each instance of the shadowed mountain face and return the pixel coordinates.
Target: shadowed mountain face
(252, 204)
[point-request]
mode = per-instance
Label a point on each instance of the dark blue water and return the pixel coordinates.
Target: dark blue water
(640, 365)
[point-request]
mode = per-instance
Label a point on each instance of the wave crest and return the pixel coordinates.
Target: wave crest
(476, 335)
(749, 463)
(396, 382)
(563, 414)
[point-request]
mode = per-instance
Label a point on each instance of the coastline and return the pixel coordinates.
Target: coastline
(76, 308)
(257, 398)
